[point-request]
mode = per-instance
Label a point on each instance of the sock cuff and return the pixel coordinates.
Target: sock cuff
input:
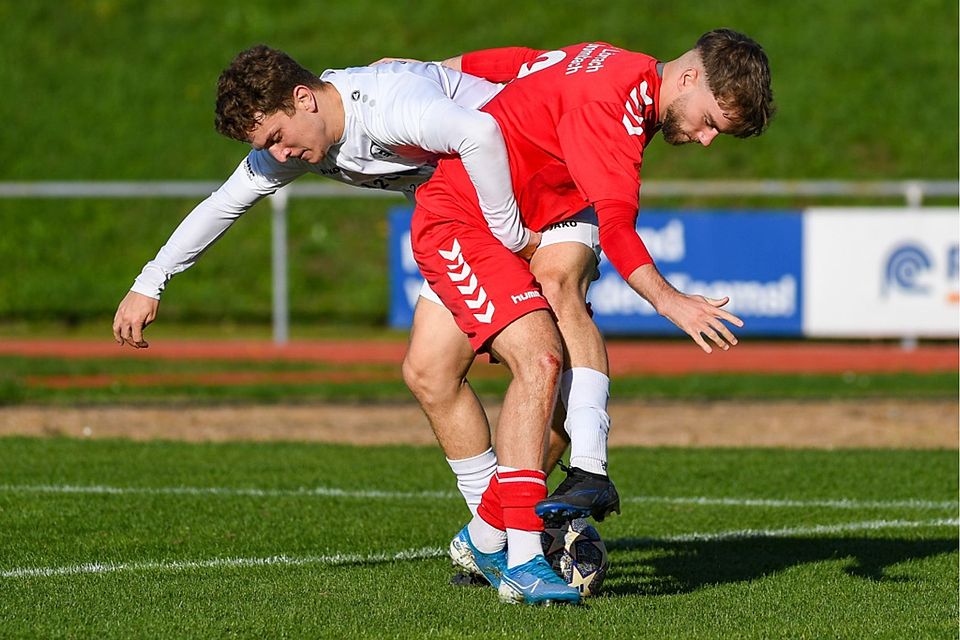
(519, 492)
(588, 387)
(589, 374)
(535, 476)
(479, 462)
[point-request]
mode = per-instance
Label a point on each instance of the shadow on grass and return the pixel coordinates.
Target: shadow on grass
(669, 567)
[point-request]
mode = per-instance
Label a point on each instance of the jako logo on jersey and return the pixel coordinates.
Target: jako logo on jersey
(905, 269)
(248, 169)
(455, 261)
(380, 153)
(526, 295)
(633, 118)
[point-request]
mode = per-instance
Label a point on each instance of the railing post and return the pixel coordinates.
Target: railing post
(913, 192)
(281, 309)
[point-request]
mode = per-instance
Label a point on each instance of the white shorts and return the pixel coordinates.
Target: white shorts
(582, 227)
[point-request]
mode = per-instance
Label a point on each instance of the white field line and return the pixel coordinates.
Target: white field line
(436, 552)
(831, 504)
(786, 532)
(328, 492)
(308, 492)
(214, 563)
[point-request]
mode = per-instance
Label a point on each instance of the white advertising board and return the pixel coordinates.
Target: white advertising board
(881, 272)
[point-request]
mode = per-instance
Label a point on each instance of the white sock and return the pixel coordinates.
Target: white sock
(522, 546)
(473, 476)
(486, 537)
(585, 392)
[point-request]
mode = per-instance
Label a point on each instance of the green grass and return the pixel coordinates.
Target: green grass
(858, 550)
(22, 381)
(123, 90)
(140, 78)
(70, 278)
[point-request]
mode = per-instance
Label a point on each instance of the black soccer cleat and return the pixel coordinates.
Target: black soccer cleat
(464, 579)
(582, 494)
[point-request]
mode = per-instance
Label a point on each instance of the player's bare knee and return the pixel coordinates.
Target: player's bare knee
(564, 292)
(550, 368)
(568, 303)
(556, 285)
(428, 384)
(417, 378)
(541, 369)
(551, 364)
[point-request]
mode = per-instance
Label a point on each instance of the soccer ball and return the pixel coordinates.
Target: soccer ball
(577, 554)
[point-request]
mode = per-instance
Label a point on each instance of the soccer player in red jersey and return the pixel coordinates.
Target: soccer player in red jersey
(576, 122)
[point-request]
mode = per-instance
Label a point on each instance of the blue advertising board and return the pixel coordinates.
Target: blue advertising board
(754, 257)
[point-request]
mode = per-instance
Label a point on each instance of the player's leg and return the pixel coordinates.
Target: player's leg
(565, 264)
(497, 303)
(435, 367)
(564, 271)
(558, 440)
(530, 346)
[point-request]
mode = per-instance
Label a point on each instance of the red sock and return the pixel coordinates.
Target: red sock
(519, 491)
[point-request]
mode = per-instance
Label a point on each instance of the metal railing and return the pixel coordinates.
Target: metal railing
(913, 193)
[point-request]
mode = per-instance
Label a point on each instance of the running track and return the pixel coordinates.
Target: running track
(636, 357)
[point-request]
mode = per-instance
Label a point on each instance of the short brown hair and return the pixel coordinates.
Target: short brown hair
(738, 75)
(258, 83)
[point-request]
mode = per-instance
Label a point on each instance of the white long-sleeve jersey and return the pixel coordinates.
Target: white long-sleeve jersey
(399, 118)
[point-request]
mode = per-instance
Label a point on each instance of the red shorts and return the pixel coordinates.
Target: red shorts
(479, 280)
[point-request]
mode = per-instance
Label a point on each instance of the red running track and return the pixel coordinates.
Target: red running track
(626, 357)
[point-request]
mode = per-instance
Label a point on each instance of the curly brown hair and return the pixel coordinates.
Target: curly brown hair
(258, 83)
(738, 75)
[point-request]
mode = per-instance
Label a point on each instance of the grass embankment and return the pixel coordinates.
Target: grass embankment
(117, 90)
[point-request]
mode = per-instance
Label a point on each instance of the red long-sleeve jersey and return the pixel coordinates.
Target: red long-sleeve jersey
(575, 122)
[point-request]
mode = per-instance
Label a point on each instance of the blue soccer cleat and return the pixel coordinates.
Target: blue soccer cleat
(534, 582)
(472, 561)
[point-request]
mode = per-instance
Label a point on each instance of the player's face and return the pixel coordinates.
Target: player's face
(302, 135)
(694, 117)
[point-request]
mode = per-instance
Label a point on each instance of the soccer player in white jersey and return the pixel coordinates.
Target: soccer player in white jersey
(383, 127)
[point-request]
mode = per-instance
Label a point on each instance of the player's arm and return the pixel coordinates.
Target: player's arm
(448, 128)
(257, 176)
(699, 317)
(496, 65)
(604, 161)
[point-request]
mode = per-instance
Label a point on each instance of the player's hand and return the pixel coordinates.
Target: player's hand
(135, 312)
(527, 252)
(702, 319)
(386, 60)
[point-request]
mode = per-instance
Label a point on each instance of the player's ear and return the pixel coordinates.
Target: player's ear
(689, 78)
(304, 98)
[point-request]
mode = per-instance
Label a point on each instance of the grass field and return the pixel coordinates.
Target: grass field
(121, 539)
